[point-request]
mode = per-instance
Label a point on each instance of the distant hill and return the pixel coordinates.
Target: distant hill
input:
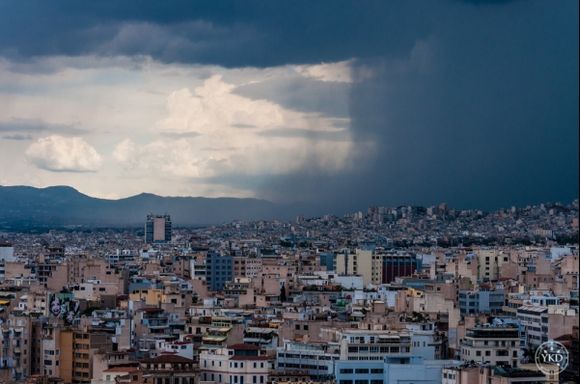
(23, 207)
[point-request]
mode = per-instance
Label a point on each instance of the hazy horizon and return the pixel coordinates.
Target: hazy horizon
(319, 209)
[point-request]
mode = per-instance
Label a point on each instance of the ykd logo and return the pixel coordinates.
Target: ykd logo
(552, 357)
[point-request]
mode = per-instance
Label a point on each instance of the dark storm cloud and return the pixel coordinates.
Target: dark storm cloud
(230, 33)
(302, 94)
(474, 103)
(482, 113)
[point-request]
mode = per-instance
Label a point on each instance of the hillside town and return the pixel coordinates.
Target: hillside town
(389, 295)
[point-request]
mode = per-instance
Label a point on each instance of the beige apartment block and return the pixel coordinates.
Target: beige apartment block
(363, 263)
(490, 262)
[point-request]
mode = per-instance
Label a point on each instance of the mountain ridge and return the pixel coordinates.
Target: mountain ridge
(57, 206)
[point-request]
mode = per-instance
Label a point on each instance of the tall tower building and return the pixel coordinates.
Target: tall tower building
(158, 229)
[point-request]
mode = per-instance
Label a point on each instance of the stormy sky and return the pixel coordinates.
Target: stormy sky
(338, 104)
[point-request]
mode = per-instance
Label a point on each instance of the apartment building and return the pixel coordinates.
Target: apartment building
(316, 359)
(481, 301)
(363, 262)
(495, 345)
(167, 369)
(236, 364)
(86, 343)
(489, 262)
(15, 348)
(410, 369)
(534, 325)
(358, 344)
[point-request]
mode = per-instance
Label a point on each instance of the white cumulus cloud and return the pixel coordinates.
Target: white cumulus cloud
(125, 151)
(234, 134)
(163, 125)
(213, 107)
(64, 154)
(340, 72)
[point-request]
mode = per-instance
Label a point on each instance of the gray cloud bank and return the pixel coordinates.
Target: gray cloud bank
(473, 103)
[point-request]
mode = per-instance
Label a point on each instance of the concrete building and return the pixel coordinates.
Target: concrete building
(116, 375)
(327, 260)
(167, 369)
(157, 229)
(219, 270)
(15, 348)
(363, 262)
(53, 363)
(316, 359)
(237, 364)
(495, 345)
(426, 342)
(86, 343)
(489, 263)
(481, 301)
(6, 252)
(534, 325)
(6, 257)
(410, 369)
(398, 264)
(473, 373)
(358, 344)
(263, 336)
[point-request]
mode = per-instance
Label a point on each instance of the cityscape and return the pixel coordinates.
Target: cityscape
(407, 293)
(276, 192)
